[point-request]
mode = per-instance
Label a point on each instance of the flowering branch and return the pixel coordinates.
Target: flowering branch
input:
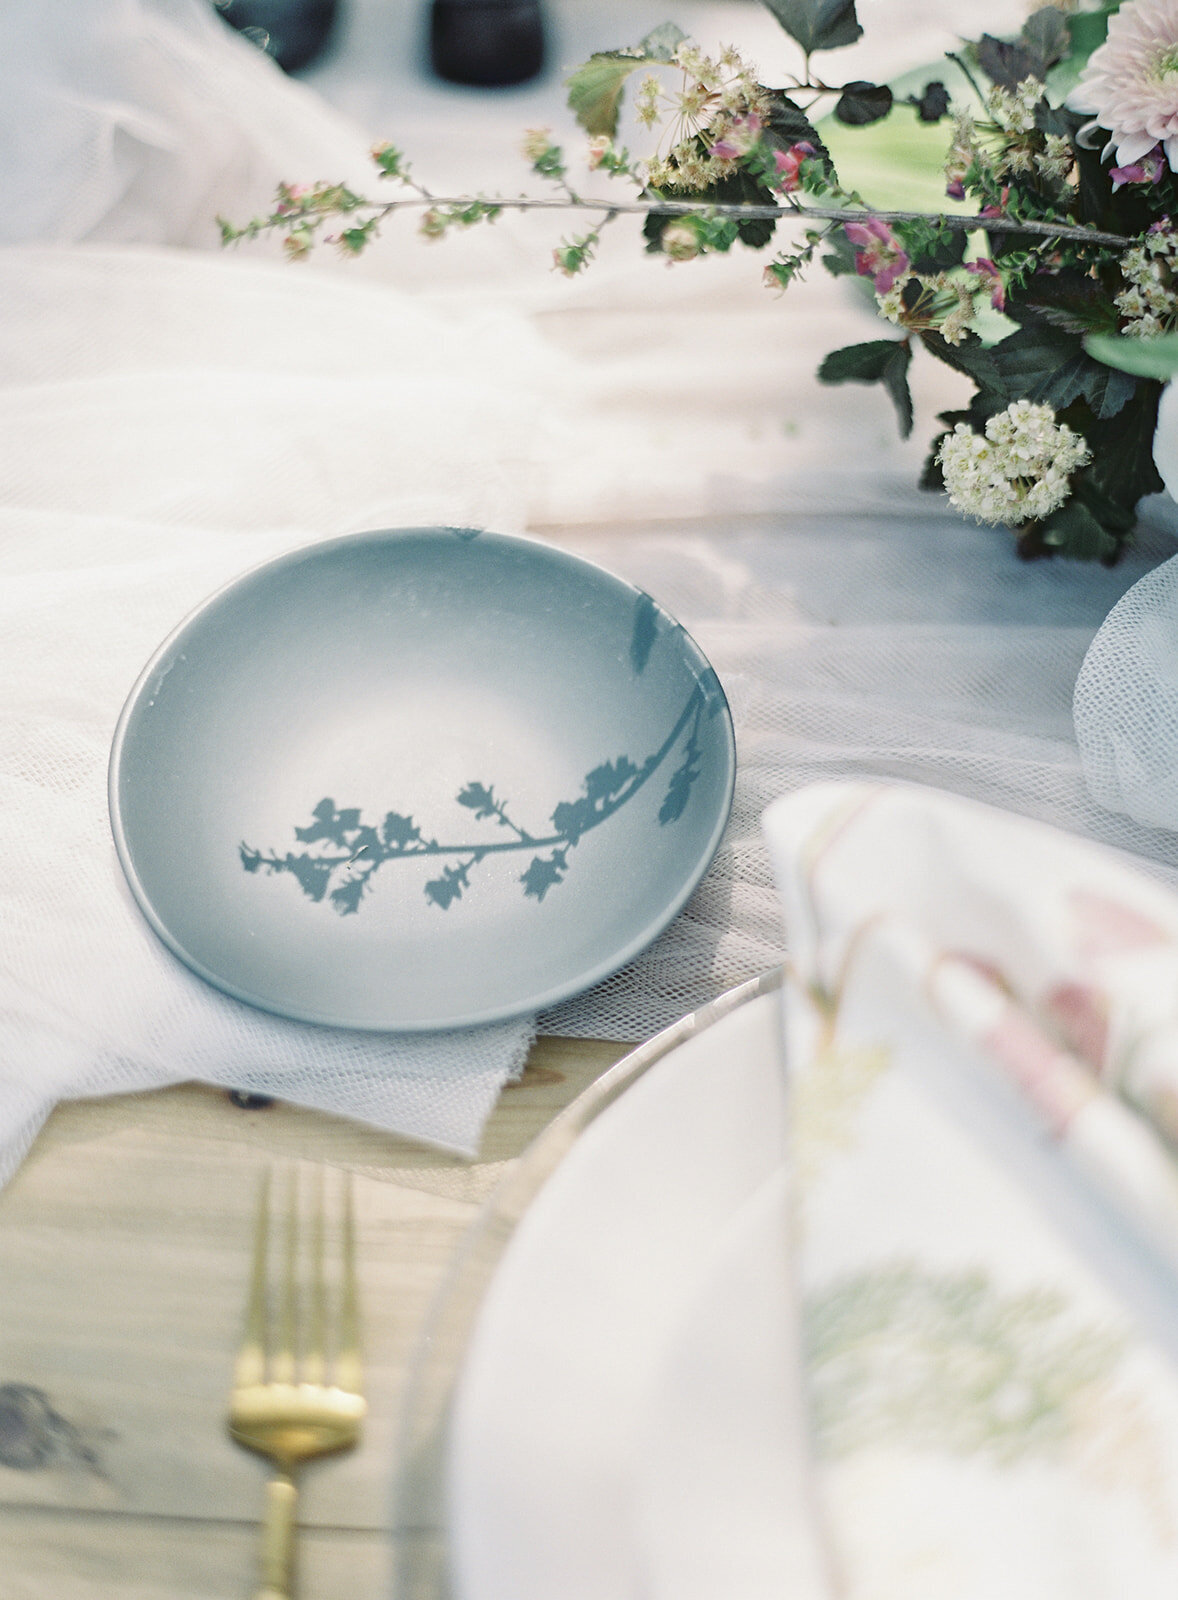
(1049, 326)
(791, 210)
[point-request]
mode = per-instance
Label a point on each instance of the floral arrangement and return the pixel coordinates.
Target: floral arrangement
(1050, 280)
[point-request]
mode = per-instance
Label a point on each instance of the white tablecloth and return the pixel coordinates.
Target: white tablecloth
(172, 414)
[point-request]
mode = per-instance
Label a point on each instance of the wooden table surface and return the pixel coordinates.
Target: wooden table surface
(124, 1253)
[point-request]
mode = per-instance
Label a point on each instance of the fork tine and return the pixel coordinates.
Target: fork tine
(284, 1356)
(348, 1370)
(250, 1367)
(314, 1355)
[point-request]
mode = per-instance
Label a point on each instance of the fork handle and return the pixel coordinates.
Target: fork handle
(278, 1541)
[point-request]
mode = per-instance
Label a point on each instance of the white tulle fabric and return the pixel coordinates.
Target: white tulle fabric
(141, 120)
(1126, 705)
(147, 461)
(171, 416)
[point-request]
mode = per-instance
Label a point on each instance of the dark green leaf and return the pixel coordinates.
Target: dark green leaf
(840, 259)
(932, 247)
(1122, 467)
(818, 24)
(1094, 195)
(1114, 516)
(883, 361)
(933, 102)
(862, 103)
(971, 357)
(1046, 37)
(1088, 30)
(1075, 531)
(1005, 64)
(786, 124)
(1054, 119)
(1070, 301)
(1048, 366)
(931, 476)
(858, 363)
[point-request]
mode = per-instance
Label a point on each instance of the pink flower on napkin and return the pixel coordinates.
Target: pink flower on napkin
(1047, 1075)
(1107, 927)
(1081, 1013)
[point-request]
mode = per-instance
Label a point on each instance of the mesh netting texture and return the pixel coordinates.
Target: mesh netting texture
(908, 645)
(1126, 704)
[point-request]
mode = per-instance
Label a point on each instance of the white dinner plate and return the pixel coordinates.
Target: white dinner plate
(551, 1376)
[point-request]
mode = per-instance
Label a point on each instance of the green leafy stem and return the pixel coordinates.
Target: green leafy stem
(350, 851)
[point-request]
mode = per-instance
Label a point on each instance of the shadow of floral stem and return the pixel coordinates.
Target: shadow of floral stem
(607, 788)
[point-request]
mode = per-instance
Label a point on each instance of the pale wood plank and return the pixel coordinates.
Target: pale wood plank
(123, 1253)
(69, 1557)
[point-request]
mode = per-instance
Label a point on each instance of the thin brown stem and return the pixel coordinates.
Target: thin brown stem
(833, 214)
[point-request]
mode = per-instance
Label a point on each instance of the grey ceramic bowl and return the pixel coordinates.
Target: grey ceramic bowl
(419, 779)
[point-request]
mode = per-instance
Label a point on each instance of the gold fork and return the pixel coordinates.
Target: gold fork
(293, 1397)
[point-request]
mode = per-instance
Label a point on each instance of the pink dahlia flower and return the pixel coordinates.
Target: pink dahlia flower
(1130, 84)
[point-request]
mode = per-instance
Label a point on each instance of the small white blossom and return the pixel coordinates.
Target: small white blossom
(1014, 109)
(679, 241)
(960, 320)
(648, 101)
(891, 305)
(1018, 471)
(536, 143)
(1055, 159)
(697, 65)
(1015, 158)
(1150, 269)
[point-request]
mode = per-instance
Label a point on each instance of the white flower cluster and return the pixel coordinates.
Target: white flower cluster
(1019, 471)
(720, 100)
(1055, 159)
(945, 304)
(1150, 303)
(1013, 110)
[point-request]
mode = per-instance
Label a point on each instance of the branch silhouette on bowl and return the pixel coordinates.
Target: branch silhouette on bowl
(346, 852)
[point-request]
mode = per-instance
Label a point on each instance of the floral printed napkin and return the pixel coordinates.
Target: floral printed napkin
(982, 1022)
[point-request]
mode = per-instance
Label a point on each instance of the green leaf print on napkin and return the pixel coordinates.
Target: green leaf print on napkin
(945, 1361)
